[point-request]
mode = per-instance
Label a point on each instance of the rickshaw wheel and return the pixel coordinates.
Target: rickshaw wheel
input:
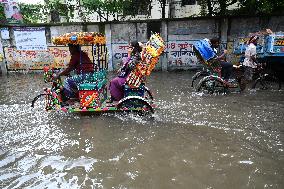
(135, 104)
(267, 82)
(210, 85)
(48, 101)
(148, 95)
(242, 83)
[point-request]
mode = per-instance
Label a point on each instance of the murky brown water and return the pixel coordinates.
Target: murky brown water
(193, 141)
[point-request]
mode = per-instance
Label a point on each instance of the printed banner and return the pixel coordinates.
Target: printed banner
(12, 11)
(30, 38)
(57, 57)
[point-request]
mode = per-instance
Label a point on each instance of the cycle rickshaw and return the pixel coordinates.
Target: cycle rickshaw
(93, 90)
(213, 82)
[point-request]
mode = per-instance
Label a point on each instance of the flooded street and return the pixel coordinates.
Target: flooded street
(193, 140)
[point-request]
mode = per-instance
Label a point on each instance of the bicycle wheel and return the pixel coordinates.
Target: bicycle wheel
(135, 104)
(148, 95)
(210, 85)
(267, 82)
(197, 77)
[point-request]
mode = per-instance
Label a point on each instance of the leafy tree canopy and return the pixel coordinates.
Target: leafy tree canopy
(243, 7)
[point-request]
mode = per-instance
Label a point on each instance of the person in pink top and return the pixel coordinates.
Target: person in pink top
(116, 85)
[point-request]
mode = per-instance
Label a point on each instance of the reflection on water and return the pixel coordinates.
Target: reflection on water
(192, 141)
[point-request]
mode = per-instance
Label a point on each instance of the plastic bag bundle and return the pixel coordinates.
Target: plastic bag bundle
(150, 56)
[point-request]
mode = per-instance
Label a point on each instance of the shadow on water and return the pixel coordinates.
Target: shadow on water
(202, 141)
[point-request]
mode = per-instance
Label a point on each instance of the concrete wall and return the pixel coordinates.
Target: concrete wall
(181, 37)
(179, 34)
(240, 27)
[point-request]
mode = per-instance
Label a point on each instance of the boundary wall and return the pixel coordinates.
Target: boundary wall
(179, 35)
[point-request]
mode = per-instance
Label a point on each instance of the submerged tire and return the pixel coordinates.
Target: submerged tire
(267, 82)
(242, 83)
(135, 104)
(210, 85)
(197, 77)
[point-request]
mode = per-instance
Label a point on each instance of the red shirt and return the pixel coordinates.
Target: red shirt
(81, 63)
(17, 16)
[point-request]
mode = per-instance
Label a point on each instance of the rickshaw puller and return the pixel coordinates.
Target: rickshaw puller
(82, 65)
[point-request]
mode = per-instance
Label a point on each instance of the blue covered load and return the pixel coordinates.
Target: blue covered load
(271, 45)
(206, 54)
(270, 49)
(204, 50)
(275, 45)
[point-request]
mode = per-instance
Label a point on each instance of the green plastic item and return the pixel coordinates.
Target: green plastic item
(93, 85)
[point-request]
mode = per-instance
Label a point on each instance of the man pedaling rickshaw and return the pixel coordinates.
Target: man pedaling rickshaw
(226, 67)
(82, 65)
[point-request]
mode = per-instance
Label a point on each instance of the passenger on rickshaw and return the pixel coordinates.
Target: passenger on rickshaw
(116, 85)
(227, 67)
(82, 65)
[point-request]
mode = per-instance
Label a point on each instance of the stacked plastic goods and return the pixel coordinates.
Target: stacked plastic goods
(80, 38)
(154, 48)
(150, 56)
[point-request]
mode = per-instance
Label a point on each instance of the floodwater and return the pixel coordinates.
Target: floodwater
(192, 141)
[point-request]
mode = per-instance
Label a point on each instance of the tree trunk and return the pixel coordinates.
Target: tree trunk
(210, 8)
(223, 7)
(163, 6)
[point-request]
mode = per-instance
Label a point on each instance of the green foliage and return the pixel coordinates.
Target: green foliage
(139, 7)
(61, 8)
(215, 8)
(32, 13)
(92, 6)
(245, 7)
(120, 7)
(58, 6)
(36, 13)
(203, 8)
(2, 14)
(259, 7)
